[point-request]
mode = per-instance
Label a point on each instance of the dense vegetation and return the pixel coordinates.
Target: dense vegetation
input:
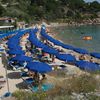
(48, 9)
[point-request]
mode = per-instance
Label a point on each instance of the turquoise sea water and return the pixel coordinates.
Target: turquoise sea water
(73, 35)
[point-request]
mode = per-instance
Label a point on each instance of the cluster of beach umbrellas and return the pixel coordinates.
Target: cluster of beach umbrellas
(14, 47)
(4, 35)
(88, 66)
(66, 46)
(50, 50)
(40, 67)
(70, 58)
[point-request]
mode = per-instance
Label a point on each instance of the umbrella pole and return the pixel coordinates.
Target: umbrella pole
(5, 63)
(7, 79)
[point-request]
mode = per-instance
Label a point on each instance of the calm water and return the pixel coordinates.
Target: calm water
(73, 35)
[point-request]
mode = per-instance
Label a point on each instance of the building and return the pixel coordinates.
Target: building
(7, 20)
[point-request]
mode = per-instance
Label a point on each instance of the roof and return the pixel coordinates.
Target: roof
(5, 18)
(1, 27)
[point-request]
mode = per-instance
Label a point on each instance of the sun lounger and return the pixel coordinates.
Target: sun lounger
(56, 63)
(46, 59)
(24, 74)
(26, 79)
(15, 67)
(29, 80)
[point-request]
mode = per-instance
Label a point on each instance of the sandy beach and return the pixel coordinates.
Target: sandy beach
(13, 79)
(16, 83)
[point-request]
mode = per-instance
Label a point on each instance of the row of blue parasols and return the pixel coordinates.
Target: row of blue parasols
(45, 48)
(15, 49)
(65, 57)
(40, 67)
(56, 42)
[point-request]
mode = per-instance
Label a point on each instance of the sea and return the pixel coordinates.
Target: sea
(73, 35)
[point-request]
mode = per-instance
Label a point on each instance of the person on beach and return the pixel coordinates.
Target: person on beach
(31, 74)
(43, 78)
(81, 57)
(28, 54)
(36, 79)
(91, 59)
(53, 58)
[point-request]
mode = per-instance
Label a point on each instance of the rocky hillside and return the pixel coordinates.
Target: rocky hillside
(51, 10)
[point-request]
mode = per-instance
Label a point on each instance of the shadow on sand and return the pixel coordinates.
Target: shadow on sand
(14, 75)
(22, 85)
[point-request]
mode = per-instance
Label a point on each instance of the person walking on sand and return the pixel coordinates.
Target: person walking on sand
(36, 79)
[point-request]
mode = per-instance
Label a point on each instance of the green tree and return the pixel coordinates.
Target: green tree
(76, 4)
(94, 6)
(1, 10)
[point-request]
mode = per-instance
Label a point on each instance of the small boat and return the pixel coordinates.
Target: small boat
(87, 38)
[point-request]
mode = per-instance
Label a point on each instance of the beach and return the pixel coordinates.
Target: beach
(55, 77)
(15, 80)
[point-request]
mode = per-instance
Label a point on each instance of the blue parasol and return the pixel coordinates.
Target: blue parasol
(21, 58)
(14, 47)
(15, 52)
(66, 57)
(95, 54)
(88, 66)
(50, 50)
(82, 51)
(56, 42)
(39, 67)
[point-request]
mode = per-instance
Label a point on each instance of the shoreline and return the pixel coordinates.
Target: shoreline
(55, 24)
(95, 21)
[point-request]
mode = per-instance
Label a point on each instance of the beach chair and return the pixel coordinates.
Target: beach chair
(46, 59)
(24, 74)
(15, 66)
(28, 82)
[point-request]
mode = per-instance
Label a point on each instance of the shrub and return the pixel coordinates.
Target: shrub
(23, 95)
(80, 84)
(93, 97)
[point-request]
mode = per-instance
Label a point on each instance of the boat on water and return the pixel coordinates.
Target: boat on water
(87, 38)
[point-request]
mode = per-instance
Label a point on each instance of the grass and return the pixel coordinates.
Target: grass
(93, 97)
(80, 84)
(23, 95)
